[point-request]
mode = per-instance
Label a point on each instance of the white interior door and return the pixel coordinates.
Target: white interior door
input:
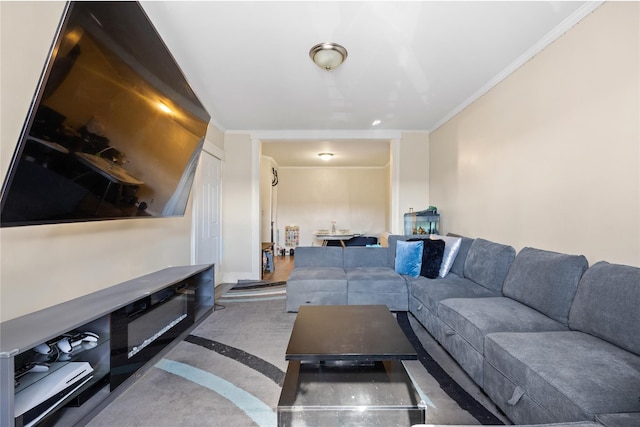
(206, 212)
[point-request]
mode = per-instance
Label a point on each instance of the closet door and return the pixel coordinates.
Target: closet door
(206, 212)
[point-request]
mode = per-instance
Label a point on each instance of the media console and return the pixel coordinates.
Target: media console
(58, 364)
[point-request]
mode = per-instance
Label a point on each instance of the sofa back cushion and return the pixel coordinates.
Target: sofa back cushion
(361, 256)
(458, 264)
(606, 305)
(546, 281)
(318, 256)
(487, 263)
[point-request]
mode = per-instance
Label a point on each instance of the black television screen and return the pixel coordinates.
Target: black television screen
(114, 129)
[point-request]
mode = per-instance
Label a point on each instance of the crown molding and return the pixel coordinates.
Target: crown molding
(553, 35)
(266, 135)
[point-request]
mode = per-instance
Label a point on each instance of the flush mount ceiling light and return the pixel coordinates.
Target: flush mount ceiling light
(325, 156)
(328, 55)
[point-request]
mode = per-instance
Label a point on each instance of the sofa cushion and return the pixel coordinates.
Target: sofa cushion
(408, 258)
(606, 304)
(318, 256)
(395, 301)
(432, 254)
(316, 286)
(466, 321)
(431, 291)
(546, 281)
(377, 285)
(571, 424)
(627, 419)
(458, 264)
(488, 263)
(474, 318)
(317, 274)
(360, 256)
(570, 375)
(374, 279)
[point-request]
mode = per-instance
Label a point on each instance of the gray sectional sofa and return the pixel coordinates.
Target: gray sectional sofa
(536, 295)
(590, 369)
(351, 275)
(548, 338)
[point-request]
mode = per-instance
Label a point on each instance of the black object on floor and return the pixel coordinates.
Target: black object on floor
(448, 384)
(254, 284)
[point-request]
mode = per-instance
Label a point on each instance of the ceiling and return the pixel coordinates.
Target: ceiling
(411, 65)
(346, 152)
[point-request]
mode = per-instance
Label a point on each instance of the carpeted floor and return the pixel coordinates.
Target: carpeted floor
(229, 372)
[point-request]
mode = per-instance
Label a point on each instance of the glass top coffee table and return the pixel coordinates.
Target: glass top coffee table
(345, 368)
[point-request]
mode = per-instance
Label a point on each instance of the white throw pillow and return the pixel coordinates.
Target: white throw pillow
(451, 248)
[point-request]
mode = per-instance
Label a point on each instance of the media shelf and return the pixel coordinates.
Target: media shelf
(114, 332)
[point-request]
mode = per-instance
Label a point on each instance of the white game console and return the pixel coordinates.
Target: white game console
(36, 400)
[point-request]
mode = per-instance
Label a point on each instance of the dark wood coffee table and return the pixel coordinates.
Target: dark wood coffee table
(345, 369)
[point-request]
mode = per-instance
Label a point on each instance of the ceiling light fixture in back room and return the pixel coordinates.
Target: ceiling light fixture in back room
(325, 156)
(328, 55)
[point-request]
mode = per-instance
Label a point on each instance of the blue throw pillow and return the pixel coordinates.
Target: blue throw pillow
(409, 257)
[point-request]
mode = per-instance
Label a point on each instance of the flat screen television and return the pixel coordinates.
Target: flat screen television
(114, 129)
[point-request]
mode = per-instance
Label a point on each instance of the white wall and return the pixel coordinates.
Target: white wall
(312, 197)
(45, 265)
(410, 176)
(240, 209)
(550, 157)
(369, 201)
(215, 136)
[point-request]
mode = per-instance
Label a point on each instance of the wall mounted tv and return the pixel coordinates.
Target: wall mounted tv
(114, 129)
